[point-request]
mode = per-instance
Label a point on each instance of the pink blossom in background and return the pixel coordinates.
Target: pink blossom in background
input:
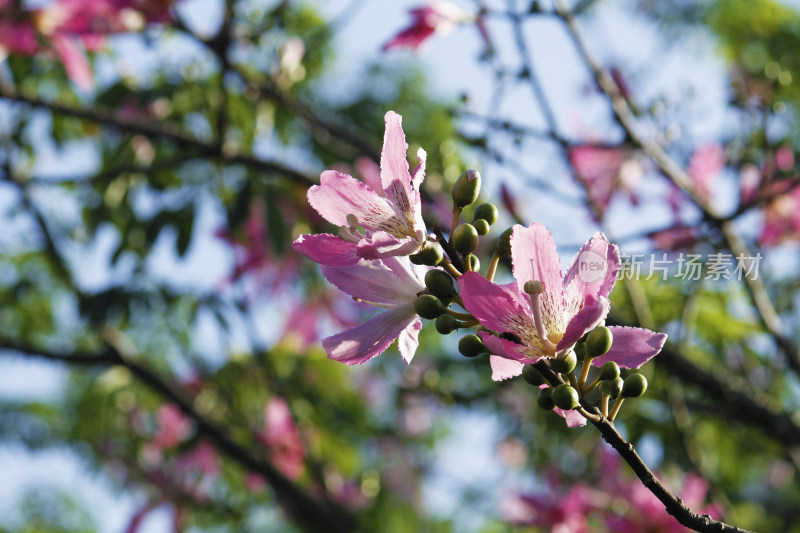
(678, 237)
(201, 461)
(302, 327)
(282, 438)
(603, 171)
(557, 310)
(173, 427)
(426, 21)
(705, 166)
(781, 219)
(556, 511)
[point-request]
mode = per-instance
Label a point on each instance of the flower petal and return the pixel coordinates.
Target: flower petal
(593, 272)
(363, 342)
(339, 195)
(574, 418)
(372, 281)
(632, 347)
(503, 368)
(584, 321)
(509, 349)
(326, 249)
(395, 177)
(382, 244)
(408, 341)
(498, 307)
(74, 60)
(370, 173)
(534, 257)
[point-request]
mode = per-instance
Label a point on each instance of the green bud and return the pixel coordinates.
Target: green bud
(532, 376)
(440, 284)
(471, 346)
(611, 387)
(634, 386)
(473, 262)
(564, 364)
(429, 306)
(446, 324)
(609, 370)
(487, 212)
(580, 350)
(545, 398)
(599, 342)
(565, 397)
(466, 188)
(465, 238)
(481, 226)
(430, 253)
(503, 248)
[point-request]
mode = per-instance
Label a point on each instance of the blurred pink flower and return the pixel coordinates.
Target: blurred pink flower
(426, 21)
(781, 219)
(705, 166)
(605, 170)
(173, 427)
(556, 511)
(201, 461)
(282, 438)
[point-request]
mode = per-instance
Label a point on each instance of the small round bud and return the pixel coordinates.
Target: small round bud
(429, 306)
(440, 284)
(430, 253)
(533, 287)
(580, 350)
(545, 398)
(487, 212)
(471, 346)
(503, 248)
(634, 386)
(446, 324)
(481, 226)
(465, 238)
(466, 188)
(599, 342)
(565, 397)
(473, 262)
(564, 364)
(611, 388)
(532, 376)
(609, 370)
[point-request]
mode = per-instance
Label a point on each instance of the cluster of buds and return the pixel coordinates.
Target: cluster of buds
(385, 256)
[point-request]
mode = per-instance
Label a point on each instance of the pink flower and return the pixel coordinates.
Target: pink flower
(173, 427)
(557, 513)
(704, 167)
(391, 283)
(389, 210)
(781, 219)
(547, 312)
(603, 171)
(436, 17)
(283, 439)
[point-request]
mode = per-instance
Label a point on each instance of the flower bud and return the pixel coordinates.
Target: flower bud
(481, 226)
(473, 262)
(465, 238)
(446, 324)
(598, 342)
(634, 386)
(503, 248)
(609, 370)
(429, 306)
(440, 284)
(565, 397)
(430, 253)
(466, 188)
(545, 398)
(611, 388)
(580, 350)
(471, 346)
(532, 376)
(564, 364)
(487, 212)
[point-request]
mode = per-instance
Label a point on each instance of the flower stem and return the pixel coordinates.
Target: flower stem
(587, 415)
(447, 265)
(615, 409)
(590, 387)
(456, 220)
(604, 404)
(493, 267)
(462, 316)
(587, 362)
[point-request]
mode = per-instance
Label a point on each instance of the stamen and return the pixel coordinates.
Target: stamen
(534, 288)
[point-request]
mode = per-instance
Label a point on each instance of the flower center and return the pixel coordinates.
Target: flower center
(534, 289)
